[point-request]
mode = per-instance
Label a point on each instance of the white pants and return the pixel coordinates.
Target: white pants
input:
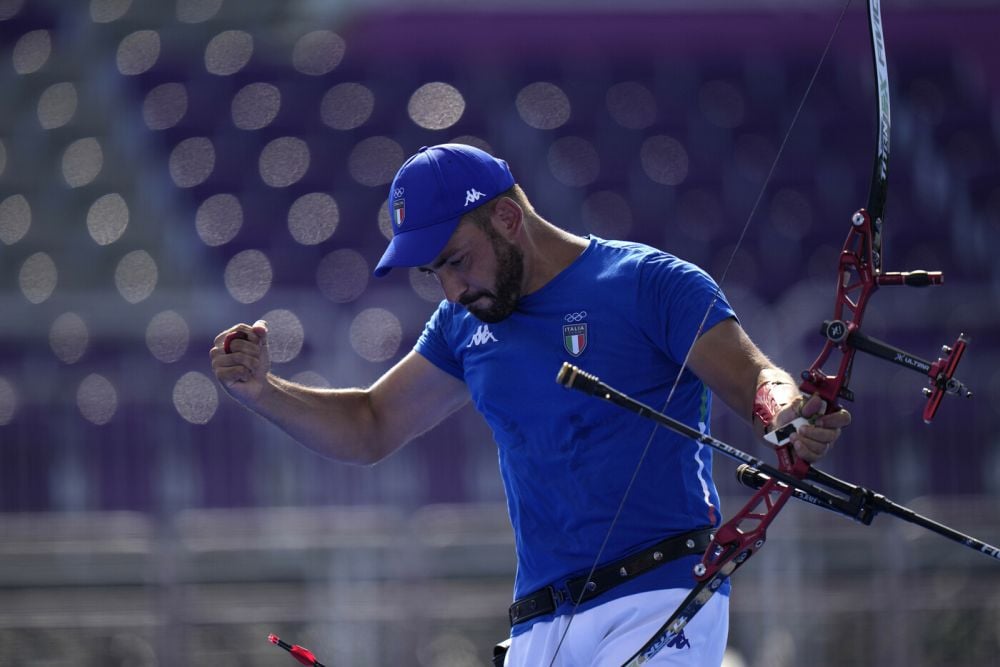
(609, 634)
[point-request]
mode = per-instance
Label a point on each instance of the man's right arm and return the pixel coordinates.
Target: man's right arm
(359, 426)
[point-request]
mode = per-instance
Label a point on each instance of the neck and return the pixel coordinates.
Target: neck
(548, 250)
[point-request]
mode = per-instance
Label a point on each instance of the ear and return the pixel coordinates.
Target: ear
(507, 218)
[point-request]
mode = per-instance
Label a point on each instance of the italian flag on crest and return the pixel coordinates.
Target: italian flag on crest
(575, 338)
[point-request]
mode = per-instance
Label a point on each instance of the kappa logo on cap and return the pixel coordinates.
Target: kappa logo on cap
(472, 196)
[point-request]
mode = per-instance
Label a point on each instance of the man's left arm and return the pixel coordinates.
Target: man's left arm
(747, 381)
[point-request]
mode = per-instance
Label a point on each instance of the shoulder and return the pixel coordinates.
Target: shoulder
(630, 257)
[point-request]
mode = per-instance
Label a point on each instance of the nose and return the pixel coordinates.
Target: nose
(453, 286)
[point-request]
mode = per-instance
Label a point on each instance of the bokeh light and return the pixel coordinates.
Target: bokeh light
(313, 218)
(347, 106)
(607, 214)
(138, 52)
(8, 401)
(82, 162)
(197, 11)
(425, 285)
(107, 218)
(165, 106)
(10, 8)
(136, 276)
(385, 221)
(256, 105)
(248, 276)
(97, 399)
(311, 379)
(167, 336)
(631, 104)
(376, 334)
(472, 140)
(219, 219)
(574, 161)
(68, 337)
(192, 162)
(228, 52)
(195, 397)
(318, 52)
(285, 335)
(15, 219)
(57, 105)
(284, 161)
(436, 106)
(543, 105)
(342, 275)
(664, 160)
(32, 51)
(107, 11)
(374, 161)
(38, 277)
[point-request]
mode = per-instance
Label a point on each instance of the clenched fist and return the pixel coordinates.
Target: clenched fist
(240, 360)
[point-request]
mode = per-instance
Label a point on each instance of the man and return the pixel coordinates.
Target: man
(522, 297)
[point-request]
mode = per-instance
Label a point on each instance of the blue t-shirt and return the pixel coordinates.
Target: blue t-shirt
(627, 313)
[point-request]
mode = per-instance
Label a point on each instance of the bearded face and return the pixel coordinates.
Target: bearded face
(496, 305)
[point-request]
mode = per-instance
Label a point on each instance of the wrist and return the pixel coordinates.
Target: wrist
(771, 396)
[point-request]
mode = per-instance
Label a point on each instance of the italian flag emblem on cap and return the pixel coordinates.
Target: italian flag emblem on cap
(398, 212)
(575, 338)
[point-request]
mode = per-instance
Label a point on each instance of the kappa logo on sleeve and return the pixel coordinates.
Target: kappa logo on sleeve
(482, 336)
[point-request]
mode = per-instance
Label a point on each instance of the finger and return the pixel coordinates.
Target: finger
(812, 407)
(809, 449)
(818, 433)
(234, 359)
(807, 453)
(239, 327)
(230, 337)
(234, 374)
(835, 420)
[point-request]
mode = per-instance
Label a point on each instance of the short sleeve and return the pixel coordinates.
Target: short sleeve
(433, 342)
(678, 302)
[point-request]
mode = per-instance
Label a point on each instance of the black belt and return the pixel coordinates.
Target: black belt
(545, 600)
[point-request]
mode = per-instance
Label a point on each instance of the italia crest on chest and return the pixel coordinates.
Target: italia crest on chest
(574, 333)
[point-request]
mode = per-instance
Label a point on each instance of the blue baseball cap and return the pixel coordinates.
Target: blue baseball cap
(430, 194)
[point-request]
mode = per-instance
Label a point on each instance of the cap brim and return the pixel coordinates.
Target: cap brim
(416, 247)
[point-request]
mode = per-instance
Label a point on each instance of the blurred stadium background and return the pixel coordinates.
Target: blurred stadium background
(171, 167)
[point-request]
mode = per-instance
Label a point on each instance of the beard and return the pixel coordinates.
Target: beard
(502, 301)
